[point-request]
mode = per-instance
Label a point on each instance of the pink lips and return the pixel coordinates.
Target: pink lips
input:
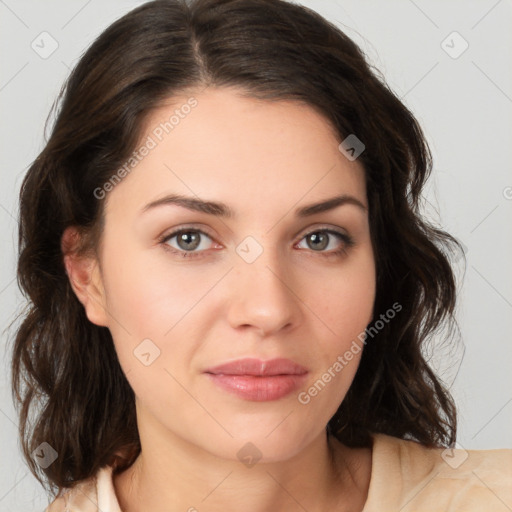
(257, 380)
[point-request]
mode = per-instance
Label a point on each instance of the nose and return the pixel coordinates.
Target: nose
(263, 296)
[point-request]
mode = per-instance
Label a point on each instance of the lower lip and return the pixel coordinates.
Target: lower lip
(258, 389)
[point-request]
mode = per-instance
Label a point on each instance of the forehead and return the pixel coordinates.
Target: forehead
(242, 151)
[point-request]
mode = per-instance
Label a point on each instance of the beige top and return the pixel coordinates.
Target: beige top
(405, 477)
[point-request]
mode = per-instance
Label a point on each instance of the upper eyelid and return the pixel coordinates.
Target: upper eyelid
(305, 232)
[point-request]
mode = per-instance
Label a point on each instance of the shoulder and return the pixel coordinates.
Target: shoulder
(410, 476)
(95, 494)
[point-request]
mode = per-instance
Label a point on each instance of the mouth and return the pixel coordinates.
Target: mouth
(257, 380)
(259, 368)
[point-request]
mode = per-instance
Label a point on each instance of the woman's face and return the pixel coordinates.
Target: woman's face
(265, 282)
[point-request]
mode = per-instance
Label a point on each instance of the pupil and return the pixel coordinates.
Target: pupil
(317, 237)
(189, 238)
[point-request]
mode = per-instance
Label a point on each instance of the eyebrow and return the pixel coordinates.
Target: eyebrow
(220, 209)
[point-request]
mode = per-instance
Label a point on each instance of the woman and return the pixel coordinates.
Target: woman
(230, 280)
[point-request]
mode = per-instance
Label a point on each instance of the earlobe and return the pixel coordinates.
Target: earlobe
(84, 277)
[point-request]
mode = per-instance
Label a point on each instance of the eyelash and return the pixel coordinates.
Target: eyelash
(347, 240)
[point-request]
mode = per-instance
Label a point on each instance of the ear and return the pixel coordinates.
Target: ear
(85, 277)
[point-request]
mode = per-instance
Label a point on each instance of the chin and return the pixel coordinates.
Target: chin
(255, 443)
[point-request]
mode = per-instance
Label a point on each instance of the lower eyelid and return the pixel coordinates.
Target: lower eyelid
(175, 234)
(342, 237)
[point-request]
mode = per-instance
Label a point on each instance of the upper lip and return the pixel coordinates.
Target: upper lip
(251, 366)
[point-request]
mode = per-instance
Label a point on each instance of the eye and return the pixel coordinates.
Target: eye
(321, 239)
(187, 240)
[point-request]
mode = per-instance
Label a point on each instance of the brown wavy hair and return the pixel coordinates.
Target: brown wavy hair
(65, 371)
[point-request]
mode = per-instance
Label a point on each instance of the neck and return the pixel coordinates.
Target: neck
(183, 477)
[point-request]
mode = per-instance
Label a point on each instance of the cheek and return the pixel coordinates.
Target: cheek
(347, 304)
(152, 307)
(345, 299)
(147, 295)
(344, 305)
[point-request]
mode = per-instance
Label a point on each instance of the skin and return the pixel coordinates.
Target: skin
(264, 160)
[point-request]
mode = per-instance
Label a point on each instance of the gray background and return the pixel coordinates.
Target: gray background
(463, 102)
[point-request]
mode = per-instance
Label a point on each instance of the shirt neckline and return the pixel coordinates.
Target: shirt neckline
(108, 500)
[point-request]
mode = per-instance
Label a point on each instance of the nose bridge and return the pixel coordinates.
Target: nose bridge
(261, 288)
